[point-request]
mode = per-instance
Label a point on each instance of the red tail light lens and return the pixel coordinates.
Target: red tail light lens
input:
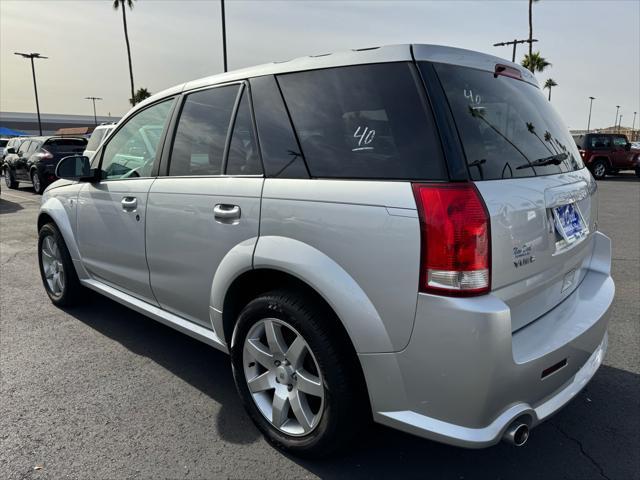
(45, 154)
(455, 239)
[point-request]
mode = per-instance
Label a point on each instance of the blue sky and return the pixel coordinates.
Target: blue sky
(594, 46)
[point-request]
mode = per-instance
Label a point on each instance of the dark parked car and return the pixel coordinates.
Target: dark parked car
(35, 160)
(607, 154)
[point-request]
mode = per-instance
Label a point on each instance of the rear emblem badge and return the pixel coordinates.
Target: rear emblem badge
(522, 256)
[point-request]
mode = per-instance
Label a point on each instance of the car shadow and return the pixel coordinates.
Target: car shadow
(7, 206)
(621, 177)
(588, 439)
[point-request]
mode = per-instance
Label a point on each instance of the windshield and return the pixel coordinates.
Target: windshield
(507, 127)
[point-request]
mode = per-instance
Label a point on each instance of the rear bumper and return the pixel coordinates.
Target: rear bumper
(465, 377)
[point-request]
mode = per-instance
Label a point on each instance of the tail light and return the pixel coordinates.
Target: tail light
(44, 154)
(455, 239)
(582, 153)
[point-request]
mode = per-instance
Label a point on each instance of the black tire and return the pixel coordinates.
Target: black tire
(71, 290)
(345, 407)
(9, 178)
(599, 169)
(38, 182)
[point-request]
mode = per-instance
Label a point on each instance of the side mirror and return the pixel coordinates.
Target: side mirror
(75, 167)
(11, 150)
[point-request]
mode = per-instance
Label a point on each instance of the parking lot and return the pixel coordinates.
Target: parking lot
(100, 391)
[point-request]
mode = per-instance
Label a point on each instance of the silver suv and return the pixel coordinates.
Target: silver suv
(405, 233)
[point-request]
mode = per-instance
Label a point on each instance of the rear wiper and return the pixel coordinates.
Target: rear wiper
(556, 159)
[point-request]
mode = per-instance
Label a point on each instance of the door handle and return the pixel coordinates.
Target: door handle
(129, 204)
(226, 212)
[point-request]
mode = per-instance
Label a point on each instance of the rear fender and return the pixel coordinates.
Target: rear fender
(350, 303)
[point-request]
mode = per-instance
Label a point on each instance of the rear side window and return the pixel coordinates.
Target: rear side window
(507, 127)
(600, 142)
(281, 153)
(243, 156)
(365, 121)
(70, 145)
(201, 135)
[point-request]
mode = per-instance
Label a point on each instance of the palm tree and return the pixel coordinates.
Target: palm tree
(550, 83)
(535, 62)
(139, 96)
(531, 27)
(116, 5)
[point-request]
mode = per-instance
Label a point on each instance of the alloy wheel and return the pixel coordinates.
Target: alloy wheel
(283, 377)
(52, 266)
(600, 170)
(35, 178)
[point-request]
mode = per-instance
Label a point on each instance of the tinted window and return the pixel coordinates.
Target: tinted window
(366, 121)
(70, 145)
(507, 127)
(281, 153)
(202, 132)
(600, 142)
(3, 142)
(243, 155)
(132, 150)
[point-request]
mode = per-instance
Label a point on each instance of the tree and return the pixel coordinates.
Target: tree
(531, 27)
(549, 84)
(139, 96)
(535, 62)
(129, 3)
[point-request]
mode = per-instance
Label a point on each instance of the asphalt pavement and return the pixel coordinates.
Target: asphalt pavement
(100, 391)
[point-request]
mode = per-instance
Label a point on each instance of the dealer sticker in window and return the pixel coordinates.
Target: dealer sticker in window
(569, 222)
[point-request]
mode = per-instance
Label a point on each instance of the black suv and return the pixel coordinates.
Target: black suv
(36, 158)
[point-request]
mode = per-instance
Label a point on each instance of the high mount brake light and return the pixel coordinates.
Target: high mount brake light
(455, 239)
(507, 71)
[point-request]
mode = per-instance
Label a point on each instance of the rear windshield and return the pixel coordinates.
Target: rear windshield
(74, 145)
(96, 138)
(507, 127)
(365, 121)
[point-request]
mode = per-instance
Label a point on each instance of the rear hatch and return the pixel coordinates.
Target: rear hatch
(541, 200)
(63, 147)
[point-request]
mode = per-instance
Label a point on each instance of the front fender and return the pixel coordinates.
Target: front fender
(352, 306)
(60, 213)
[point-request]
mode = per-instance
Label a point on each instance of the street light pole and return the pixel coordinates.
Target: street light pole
(591, 99)
(616, 122)
(513, 42)
(619, 124)
(633, 126)
(224, 37)
(31, 56)
(93, 99)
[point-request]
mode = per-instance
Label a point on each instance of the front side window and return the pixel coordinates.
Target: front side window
(201, 135)
(507, 126)
(619, 142)
(24, 147)
(243, 153)
(364, 121)
(131, 152)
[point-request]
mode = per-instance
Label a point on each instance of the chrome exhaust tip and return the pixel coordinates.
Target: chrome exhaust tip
(517, 434)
